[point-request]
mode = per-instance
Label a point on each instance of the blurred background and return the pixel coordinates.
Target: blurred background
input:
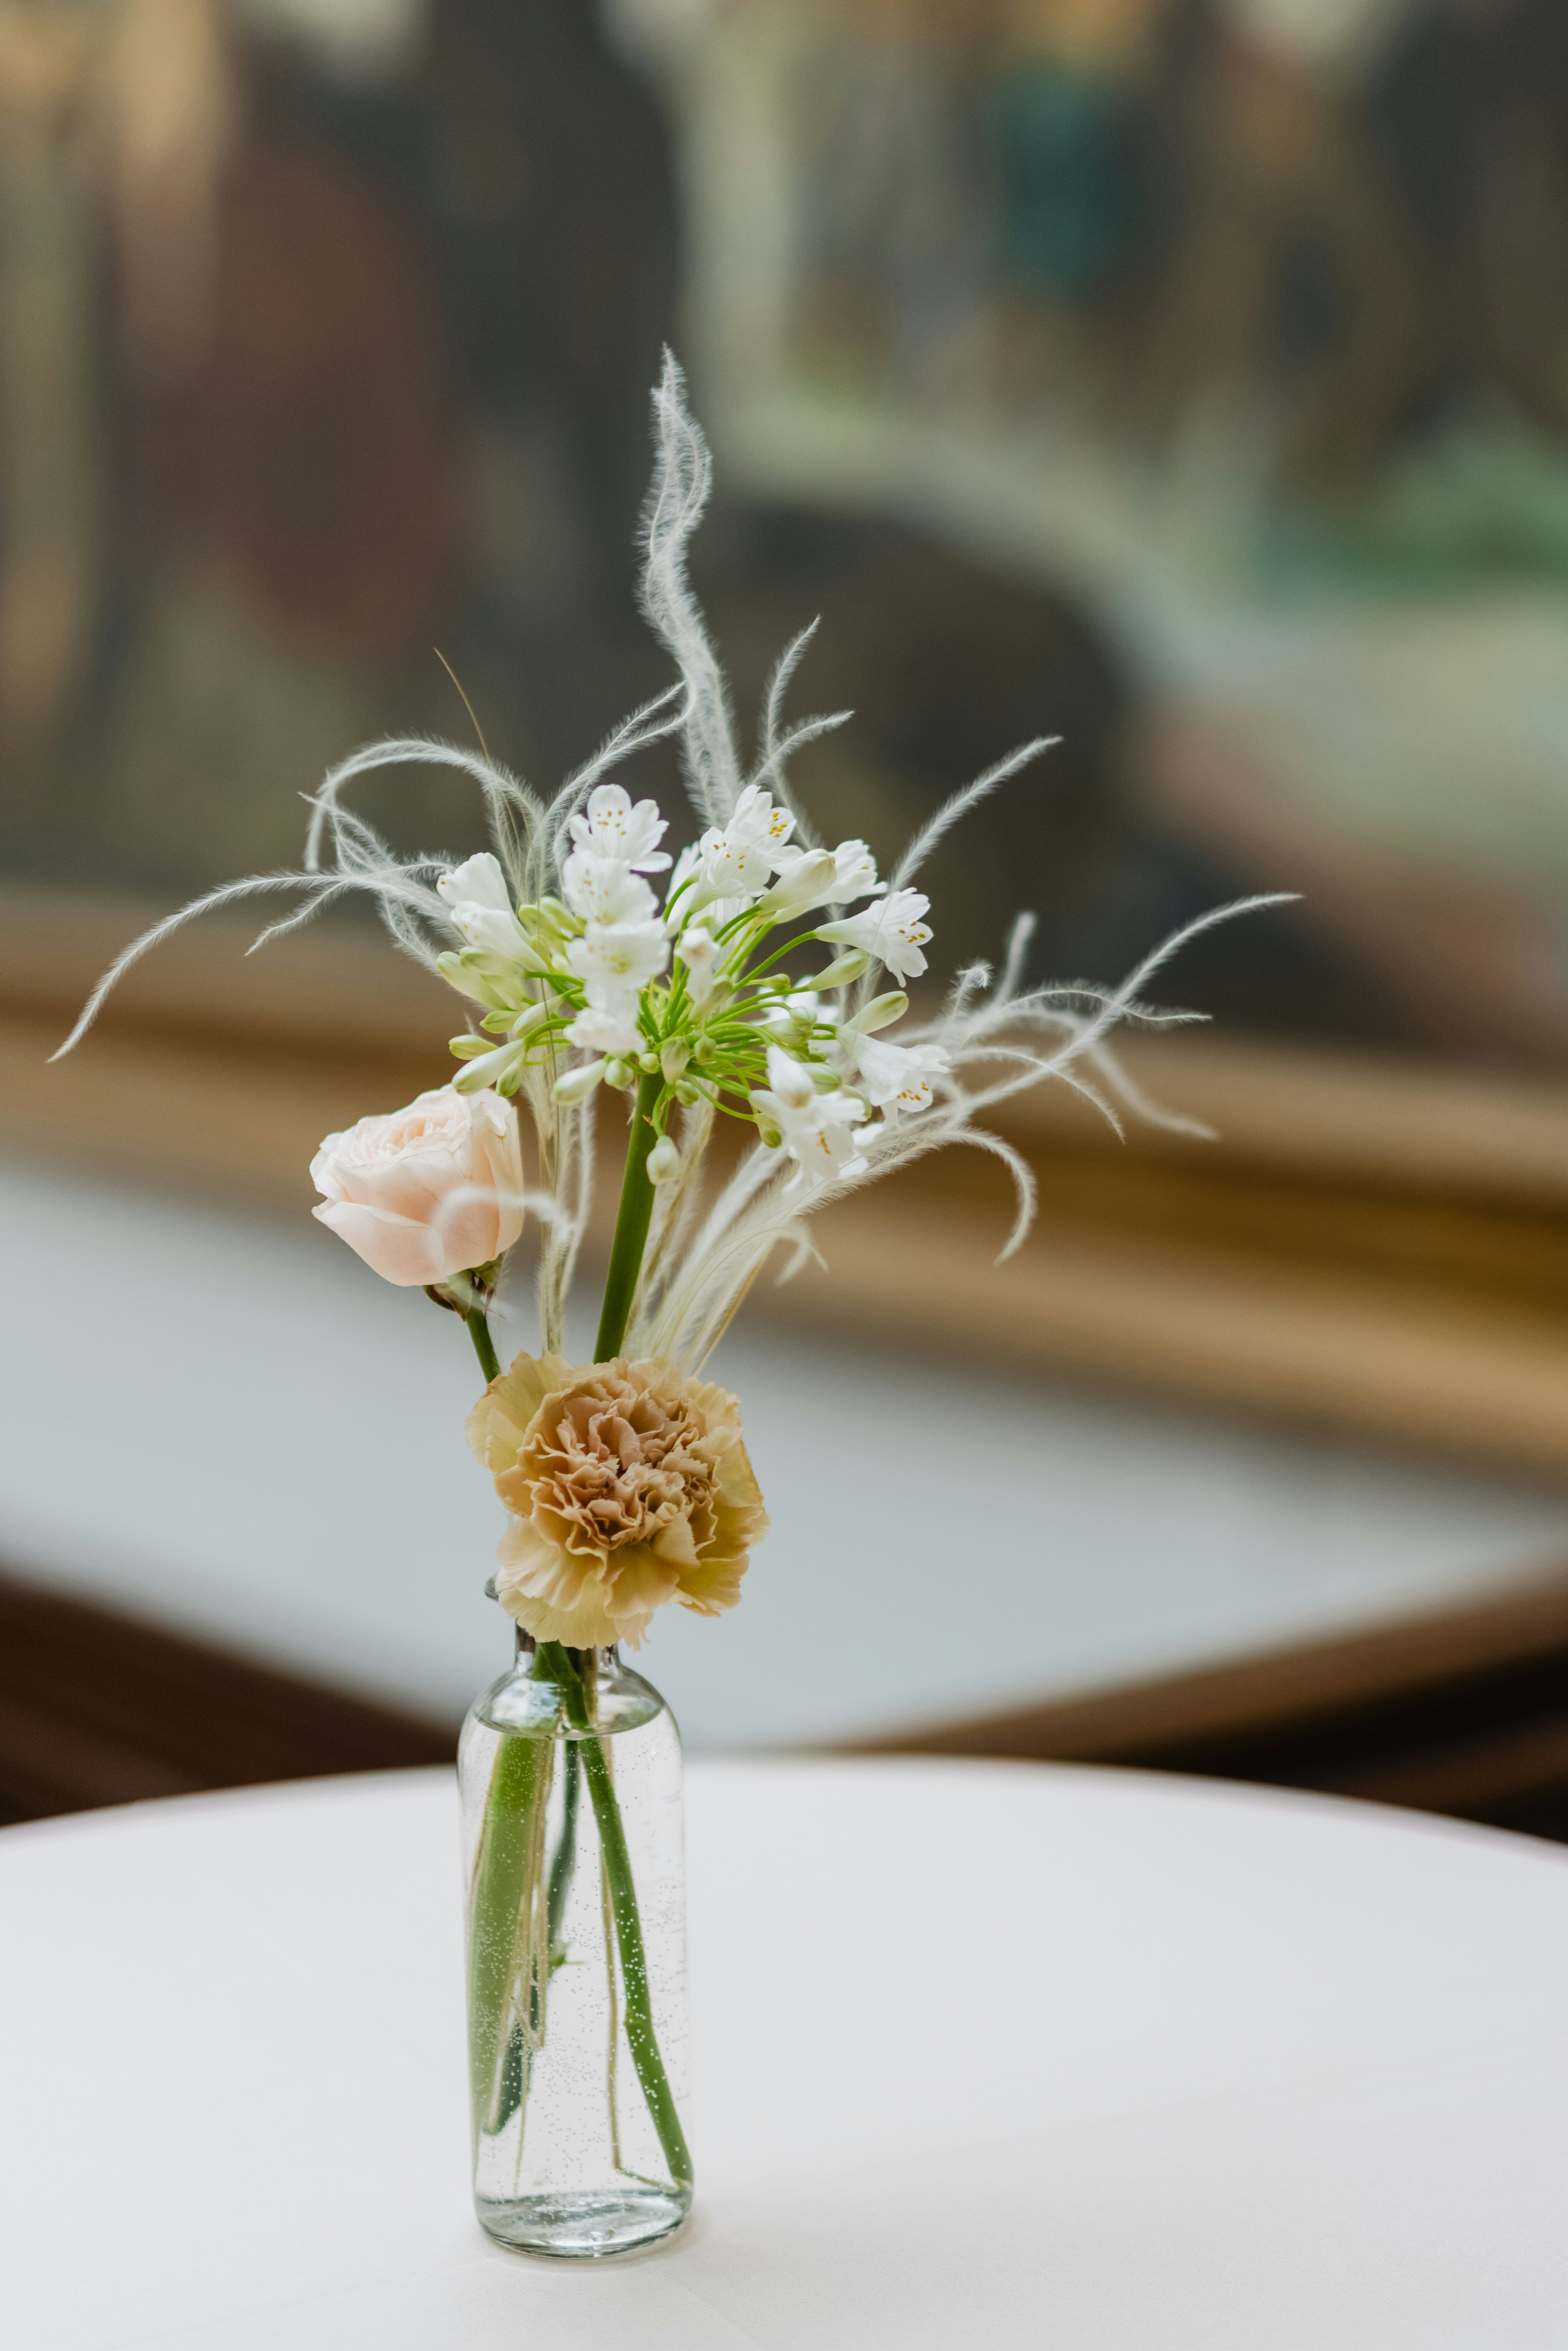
(1188, 379)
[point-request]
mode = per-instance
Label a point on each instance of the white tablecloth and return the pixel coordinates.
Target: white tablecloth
(986, 2055)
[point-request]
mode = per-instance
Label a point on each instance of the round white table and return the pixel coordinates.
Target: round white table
(986, 2054)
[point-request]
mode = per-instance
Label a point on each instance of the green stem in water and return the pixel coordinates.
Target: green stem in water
(483, 1345)
(513, 2076)
(632, 1224)
(565, 1859)
(501, 1885)
(640, 2034)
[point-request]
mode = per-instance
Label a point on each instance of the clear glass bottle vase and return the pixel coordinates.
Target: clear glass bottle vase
(570, 1768)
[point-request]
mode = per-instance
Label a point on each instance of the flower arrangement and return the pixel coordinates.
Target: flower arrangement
(760, 979)
(577, 977)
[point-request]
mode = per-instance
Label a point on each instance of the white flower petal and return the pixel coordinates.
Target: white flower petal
(605, 1031)
(611, 826)
(789, 1081)
(630, 951)
(479, 881)
(892, 931)
(606, 890)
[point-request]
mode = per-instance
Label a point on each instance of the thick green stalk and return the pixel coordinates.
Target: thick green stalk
(501, 1887)
(631, 1223)
(639, 2031)
(483, 1345)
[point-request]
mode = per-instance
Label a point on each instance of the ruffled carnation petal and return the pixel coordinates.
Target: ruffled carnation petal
(626, 1486)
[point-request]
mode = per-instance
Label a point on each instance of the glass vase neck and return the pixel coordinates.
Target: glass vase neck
(535, 1658)
(572, 1693)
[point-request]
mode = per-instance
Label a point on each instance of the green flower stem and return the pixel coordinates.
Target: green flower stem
(501, 1888)
(639, 2032)
(804, 940)
(632, 1224)
(483, 1345)
(565, 1859)
(559, 1887)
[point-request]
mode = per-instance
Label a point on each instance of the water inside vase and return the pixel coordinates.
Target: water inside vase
(576, 1978)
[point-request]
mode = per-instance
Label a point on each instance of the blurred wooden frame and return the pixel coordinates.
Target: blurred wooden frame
(1371, 1246)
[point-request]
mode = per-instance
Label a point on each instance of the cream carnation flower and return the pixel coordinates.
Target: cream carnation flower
(627, 1485)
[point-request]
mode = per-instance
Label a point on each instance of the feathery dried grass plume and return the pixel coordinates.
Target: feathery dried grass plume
(576, 975)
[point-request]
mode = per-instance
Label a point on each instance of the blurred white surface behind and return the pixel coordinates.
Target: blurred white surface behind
(227, 1423)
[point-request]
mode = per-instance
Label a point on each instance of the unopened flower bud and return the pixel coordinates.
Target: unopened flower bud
(458, 971)
(881, 1011)
(512, 950)
(674, 1055)
(556, 920)
(501, 1067)
(548, 927)
(664, 1162)
(686, 1093)
(620, 1072)
(809, 881)
(466, 1048)
(843, 969)
(578, 1085)
(790, 1079)
(648, 1064)
(532, 1016)
(769, 1135)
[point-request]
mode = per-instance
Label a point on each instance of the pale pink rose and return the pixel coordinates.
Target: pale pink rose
(432, 1191)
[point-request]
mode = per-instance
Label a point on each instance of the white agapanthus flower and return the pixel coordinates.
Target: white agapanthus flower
(853, 875)
(822, 877)
(607, 1029)
(606, 890)
(615, 961)
(815, 1129)
(740, 860)
(623, 945)
(698, 949)
(806, 882)
(478, 882)
(610, 826)
(896, 1079)
(685, 868)
(891, 932)
(480, 907)
(630, 953)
